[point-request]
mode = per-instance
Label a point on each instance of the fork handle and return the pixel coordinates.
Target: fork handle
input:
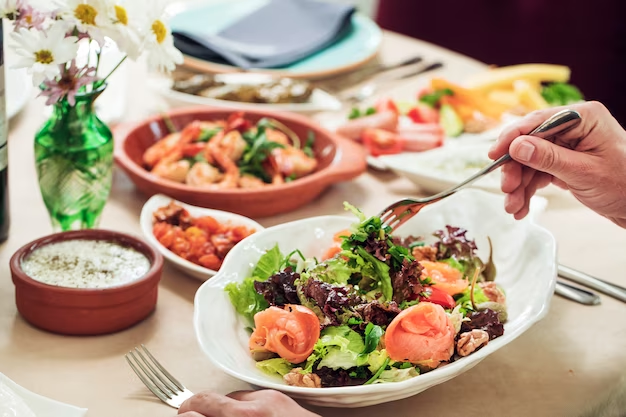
(559, 123)
(581, 278)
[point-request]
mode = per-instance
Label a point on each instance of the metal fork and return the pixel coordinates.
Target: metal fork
(369, 89)
(399, 212)
(154, 376)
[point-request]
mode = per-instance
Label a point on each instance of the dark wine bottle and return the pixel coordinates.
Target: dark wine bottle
(4, 156)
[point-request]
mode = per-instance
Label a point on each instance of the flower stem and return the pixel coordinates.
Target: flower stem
(116, 67)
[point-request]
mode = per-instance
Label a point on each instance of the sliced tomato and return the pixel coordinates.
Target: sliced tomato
(437, 296)
(382, 142)
(386, 104)
(422, 113)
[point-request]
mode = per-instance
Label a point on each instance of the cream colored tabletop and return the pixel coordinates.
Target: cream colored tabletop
(559, 366)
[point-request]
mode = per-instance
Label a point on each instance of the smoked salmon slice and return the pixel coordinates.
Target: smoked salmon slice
(446, 278)
(422, 334)
(290, 332)
(335, 248)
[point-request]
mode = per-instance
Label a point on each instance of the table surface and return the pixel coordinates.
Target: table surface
(555, 369)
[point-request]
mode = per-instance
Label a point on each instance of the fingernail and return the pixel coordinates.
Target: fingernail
(493, 147)
(525, 151)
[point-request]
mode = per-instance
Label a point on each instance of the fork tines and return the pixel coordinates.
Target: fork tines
(156, 378)
(394, 216)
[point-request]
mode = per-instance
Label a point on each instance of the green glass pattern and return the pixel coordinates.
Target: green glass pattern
(74, 159)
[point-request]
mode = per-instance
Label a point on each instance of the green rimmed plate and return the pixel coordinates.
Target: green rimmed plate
(354, 50)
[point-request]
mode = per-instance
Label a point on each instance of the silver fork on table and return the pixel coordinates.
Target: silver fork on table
(158, 380)
(369, 89)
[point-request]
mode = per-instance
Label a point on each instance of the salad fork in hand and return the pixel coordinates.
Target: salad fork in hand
(399, 212)
(158, 380)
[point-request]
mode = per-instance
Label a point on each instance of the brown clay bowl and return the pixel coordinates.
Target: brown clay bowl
(81, 311)
(338, 160)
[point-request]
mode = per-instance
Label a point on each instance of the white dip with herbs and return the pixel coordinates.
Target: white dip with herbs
(85, 264)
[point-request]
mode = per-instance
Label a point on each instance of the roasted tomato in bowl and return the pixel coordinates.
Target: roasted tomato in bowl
(193, 239)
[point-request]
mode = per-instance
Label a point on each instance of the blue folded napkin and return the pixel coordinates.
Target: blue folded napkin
(275, 35)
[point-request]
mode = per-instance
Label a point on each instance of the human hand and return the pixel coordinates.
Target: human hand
(589, 160)
(263, 403)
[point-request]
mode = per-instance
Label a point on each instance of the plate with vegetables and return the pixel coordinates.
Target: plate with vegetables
(194, 239)
(339, 312)
(446, 113)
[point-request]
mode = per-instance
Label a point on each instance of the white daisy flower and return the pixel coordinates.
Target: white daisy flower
(44, 52)
(159, 43)
(124, 30)
(88, 16)
(9, 9)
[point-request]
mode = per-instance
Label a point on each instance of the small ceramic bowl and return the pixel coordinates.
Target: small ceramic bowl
(157, 201)
(86, 311)
(338, 160)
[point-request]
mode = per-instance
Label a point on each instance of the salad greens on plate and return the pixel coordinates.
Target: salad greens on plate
(374, 309)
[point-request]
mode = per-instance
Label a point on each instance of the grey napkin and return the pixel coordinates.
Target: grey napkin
(276, 35)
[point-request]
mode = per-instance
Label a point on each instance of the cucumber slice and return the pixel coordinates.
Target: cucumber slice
(450, 121)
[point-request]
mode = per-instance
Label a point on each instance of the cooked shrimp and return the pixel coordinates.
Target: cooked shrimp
(250, 182)
(156, 152)
(214, 152)
(272, 169)
(293, 162)
(172, 145)
(176, 170)
(202, 174)
(233, 145)
(230, 179)
(277, 136)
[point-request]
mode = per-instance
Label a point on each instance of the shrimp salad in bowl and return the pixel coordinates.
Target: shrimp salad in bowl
(375, 309)
(232, 153)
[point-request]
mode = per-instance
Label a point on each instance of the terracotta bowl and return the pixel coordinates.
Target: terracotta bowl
(80, 311)
(339, 160)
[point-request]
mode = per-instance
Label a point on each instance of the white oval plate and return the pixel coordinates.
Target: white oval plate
(159, 200)
(320, 100)
(524, 253)
(439, 169)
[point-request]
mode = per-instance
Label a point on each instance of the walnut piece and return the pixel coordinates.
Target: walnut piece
(471, 341)
(492, 292)
(425, 253)
(296, 379)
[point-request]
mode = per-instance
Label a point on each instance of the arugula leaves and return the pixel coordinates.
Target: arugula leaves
(561, 94)
(207, 134)
(258, 148)
(433, 98)
(382, 272)
(308, 145)
(373, 333)
(355, 113)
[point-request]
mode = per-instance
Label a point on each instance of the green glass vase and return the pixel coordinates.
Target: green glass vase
(74, 158)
